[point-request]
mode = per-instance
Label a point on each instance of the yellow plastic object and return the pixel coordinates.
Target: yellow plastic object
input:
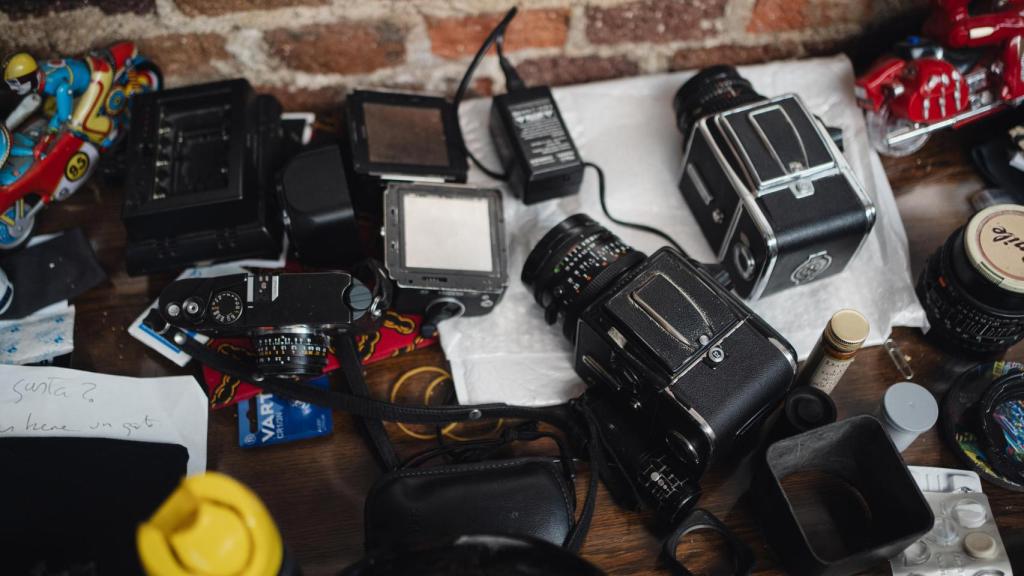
(211, 525)
(21, 64)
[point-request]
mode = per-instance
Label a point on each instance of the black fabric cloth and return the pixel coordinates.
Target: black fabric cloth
(74, 503)
(58, 269)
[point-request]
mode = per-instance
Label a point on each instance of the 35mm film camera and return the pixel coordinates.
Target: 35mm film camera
(679, 366)
(290, 317)
(770, 189)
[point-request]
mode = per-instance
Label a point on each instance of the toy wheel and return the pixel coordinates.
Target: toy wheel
(16, 225)
(881, 126)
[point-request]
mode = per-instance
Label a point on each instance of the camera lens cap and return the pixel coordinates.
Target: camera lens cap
(807, 408)
(994, 242)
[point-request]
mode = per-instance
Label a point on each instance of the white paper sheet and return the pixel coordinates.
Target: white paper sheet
(628, 127)
(47, 401)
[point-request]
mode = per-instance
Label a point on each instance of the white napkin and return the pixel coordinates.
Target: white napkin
(628, 128)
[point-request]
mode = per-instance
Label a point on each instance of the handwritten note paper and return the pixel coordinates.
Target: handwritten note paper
(45, 401)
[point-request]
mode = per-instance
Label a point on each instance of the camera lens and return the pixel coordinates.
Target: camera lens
(291, 351)
(572, 264)
(972, 288)
(711, 90)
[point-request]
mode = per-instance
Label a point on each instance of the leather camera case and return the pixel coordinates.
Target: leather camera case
(521, 496)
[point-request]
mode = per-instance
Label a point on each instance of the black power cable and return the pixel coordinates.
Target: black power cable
(514, 82)
(633, 225)
(496, 35)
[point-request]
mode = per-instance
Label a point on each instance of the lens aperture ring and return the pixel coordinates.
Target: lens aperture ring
(291, 353)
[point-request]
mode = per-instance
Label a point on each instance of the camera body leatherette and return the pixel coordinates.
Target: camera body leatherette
(520, 496)
(686, 354)
(774, 196)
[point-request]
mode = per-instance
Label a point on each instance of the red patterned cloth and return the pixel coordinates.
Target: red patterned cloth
(399, 333)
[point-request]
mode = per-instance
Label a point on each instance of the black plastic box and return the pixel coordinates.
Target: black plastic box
(200, 179)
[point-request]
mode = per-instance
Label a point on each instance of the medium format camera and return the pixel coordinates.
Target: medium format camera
(444, 246)
(769, 187)
(289, 317)
(678, 364)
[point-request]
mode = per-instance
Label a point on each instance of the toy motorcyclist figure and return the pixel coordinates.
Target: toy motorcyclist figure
(90, 80)
(964, 24)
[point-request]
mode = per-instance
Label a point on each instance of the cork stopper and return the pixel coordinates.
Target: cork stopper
(847, 330)
(994, 242)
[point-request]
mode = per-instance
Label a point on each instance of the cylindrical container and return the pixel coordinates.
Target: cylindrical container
(972, 288)
(907, 410)
(805, 408)
(843, 336)
(212, 524)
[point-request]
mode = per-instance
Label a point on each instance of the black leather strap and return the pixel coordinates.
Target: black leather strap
(371, 428)
(560, 416)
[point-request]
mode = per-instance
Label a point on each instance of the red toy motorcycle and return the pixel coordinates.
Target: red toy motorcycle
(966, 67)
(38, 167)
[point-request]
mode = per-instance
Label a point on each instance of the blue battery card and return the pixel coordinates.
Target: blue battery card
(266, 419)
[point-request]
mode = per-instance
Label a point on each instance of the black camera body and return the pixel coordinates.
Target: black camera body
(200, 177)
(289, 316)
(769, 187)
(680, 356)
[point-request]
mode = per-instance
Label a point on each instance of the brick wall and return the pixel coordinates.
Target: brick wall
(309, 53)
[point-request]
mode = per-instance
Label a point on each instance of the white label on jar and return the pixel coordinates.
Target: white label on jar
(828, 372)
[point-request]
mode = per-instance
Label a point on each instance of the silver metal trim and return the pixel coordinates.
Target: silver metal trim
(785, 352)
(695, 360)
(929, 128)
(596, 367)
(698, 184)
(665, 324)
(748, 165)
(733, 224)
(787, 169)
(756, 215)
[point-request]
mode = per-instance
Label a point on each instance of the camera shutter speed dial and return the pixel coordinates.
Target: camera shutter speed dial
(226, 307)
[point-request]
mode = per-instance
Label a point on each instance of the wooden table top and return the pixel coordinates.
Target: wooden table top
(315, 489)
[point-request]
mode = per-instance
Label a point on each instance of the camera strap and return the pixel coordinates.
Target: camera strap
(357, 403)
(371, 428)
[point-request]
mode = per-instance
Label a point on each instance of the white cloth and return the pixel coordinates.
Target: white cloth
(628, 128)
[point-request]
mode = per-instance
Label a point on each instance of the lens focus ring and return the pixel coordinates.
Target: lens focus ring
(300, 353)
(572, 265)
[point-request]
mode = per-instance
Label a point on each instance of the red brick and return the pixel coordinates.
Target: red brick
(651, 20)
(19, 9)
(561, 70)
(788, 15)
(218, 7)
(462, 36)
(346, 47)
(481, 87)
(691, 59)
(187, 56)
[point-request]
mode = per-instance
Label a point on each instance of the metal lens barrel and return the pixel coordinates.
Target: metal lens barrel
(970, 287)
(714, 89)
(298, 351)
(572, 265)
